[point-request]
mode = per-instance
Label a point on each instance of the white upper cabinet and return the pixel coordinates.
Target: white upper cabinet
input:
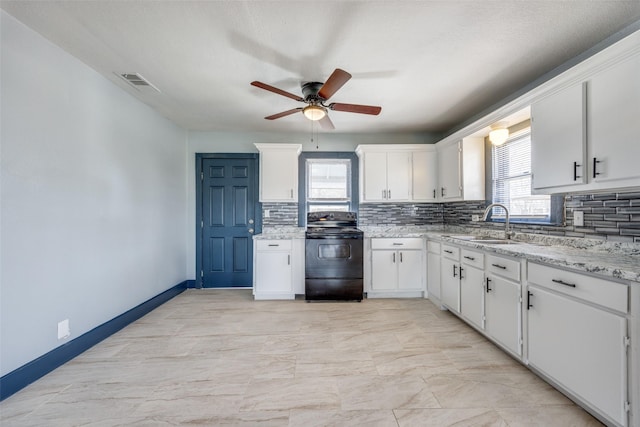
(424, 167)
(558, 139)
(587, 135)
(613, 125)
(449, 162)
(461, 170)
(279, 172)
(396, 173)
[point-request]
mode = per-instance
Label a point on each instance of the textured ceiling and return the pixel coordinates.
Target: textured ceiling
(430, 64)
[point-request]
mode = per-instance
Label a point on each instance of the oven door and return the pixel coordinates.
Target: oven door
(333, 258)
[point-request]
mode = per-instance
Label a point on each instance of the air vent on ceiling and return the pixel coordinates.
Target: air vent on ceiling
(137, 81)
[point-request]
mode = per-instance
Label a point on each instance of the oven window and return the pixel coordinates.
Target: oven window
(334, 251)
(328, 184)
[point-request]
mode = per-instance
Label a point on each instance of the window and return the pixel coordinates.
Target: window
(511, 179)
(328, 180)
(328, 184)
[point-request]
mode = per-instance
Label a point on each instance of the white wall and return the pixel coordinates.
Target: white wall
(93, 202)
(242, 142)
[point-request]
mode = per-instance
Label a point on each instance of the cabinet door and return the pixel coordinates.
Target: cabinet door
(424, 166)
(502, 312)
(384, 270)
(433, 275)
(450, 284)
(374, 175)
(398, 175)
(613, 125)
(558, 139)
(449, 172)
(409, 270)
(581, 347)
(472, 295)
(273, 272)
(279, 176)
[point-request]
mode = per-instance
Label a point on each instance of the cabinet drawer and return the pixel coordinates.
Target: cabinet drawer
(473, 258)
(433, 247)
(399, 244)
(504, 267)
(451, 252)
(598, 291)
(273, 245)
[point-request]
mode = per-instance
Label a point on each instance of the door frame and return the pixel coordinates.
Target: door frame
(200, 157)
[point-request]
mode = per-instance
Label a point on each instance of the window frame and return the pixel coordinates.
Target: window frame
(556, 201)
(302, 180)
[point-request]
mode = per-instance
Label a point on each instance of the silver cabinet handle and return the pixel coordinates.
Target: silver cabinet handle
(394, 257)
(288, 259)
(388, 194)
(400, 256)
(292, 193)
(274, 244)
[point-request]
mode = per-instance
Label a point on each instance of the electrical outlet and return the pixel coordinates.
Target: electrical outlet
(578, 218)
(475, 218)
(63, 329)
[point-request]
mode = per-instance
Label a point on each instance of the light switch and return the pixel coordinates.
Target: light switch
(578, 218)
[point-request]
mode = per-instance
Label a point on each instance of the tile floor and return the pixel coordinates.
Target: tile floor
(216, 357)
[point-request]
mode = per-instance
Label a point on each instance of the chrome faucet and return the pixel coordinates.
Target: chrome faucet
(507, 232)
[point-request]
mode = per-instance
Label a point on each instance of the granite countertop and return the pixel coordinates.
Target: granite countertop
(280, 233)
(607, 259)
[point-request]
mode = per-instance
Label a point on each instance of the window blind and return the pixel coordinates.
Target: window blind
(511, 179)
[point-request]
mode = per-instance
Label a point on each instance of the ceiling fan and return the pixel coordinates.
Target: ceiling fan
(315, 95)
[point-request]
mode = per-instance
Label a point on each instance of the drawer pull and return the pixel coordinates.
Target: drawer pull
(470, 257)
(398, 244)
(499, 266)
(560, 282)
(449, 252)
(461, 269)
(488, 288)
(455, 273)
(274, 244)
(529, 295)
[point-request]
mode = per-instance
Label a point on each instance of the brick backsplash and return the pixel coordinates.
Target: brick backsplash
(280, 214)
(380, 214)
(607, 216)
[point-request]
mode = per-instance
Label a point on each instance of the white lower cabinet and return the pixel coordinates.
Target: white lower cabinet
(503, 298)
(503, 312)
(433, 271)
(397, 267)
(273, 271)
(450, 277)
(576, 344)
(472, 287)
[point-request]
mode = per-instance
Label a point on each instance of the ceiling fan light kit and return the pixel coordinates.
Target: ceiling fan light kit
(315, 94)
(314, 112)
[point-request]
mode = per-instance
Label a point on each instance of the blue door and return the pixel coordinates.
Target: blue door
(227, 208)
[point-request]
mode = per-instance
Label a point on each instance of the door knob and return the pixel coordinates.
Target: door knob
(250, 221)
(251, 230)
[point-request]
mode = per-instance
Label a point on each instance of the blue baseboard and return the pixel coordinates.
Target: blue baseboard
(16, 380)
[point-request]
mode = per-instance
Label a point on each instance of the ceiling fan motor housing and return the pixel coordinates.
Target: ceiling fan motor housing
(310, 92)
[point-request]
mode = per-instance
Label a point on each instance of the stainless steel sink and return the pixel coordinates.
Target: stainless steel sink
(493, 241)
(482, 239)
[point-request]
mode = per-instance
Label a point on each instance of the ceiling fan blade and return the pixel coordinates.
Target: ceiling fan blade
(355, 108)
(335, 81)
(284, 113)
(326, 123)
(276, 90)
